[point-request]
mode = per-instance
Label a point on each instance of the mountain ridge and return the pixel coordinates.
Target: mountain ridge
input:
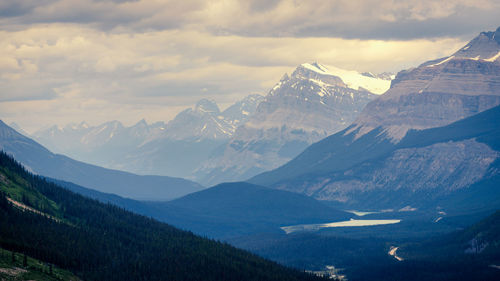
(300, 109)
(103, 242)
(168, 149)
(39, 160)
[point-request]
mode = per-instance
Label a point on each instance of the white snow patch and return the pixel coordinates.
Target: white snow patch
(352, 79)
(441, 62)
(494, 58)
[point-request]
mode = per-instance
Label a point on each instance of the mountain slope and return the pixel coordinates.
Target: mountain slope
(380, 161)
(312, 103)
(234, 209)
(103, 242)
(438, 92)
(424, 168)
(14, 266)
(481, 239)
(172, 149)
(189, 139)
(41, 161)
(226, 210)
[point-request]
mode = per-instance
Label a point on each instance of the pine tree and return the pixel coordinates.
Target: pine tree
(25, 261)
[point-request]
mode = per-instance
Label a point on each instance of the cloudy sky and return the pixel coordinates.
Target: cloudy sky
(67, 61)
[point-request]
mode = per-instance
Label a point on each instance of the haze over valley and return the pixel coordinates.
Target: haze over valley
(250, 140)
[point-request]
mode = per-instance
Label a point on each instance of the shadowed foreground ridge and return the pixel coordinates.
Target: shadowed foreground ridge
(103, 242)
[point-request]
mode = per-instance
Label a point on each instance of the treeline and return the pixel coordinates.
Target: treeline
(103, 242)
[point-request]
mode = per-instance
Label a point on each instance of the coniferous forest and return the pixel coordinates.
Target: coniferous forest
(103, 242)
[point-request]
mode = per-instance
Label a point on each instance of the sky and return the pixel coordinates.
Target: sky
(65, 61)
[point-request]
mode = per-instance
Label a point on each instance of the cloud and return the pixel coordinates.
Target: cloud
(63, 66)
(70, 60)
(361, 19)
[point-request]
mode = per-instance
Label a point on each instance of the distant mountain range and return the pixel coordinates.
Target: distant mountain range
(391, 158)
(40, 160)
(251, 136)
(175, 148)
(314, 102)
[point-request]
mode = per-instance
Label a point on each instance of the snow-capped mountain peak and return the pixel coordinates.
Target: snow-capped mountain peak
(438, 92)
(239, 112)
(351, 78)
(299, 110)
(486, 46)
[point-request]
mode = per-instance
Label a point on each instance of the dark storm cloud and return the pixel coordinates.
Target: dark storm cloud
(368, 19)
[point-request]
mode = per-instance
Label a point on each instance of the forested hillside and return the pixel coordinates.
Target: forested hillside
(103, 242)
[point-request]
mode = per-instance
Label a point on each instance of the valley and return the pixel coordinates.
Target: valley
(325, 173)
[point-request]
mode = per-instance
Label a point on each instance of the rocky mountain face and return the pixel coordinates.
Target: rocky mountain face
(175, 148)
(439, 92)
(387, 158)
(314, 102)
(206, 121)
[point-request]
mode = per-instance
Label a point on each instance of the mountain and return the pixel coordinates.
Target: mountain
(222, 211)
(438, 92)
(236, 209)
(40, 160)
(172, 149)
(424, 168)
(387, 158)
(314, 102)
(18, 128)
(100, 145)
(202, 122)
(99, 241)
(226, 210)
